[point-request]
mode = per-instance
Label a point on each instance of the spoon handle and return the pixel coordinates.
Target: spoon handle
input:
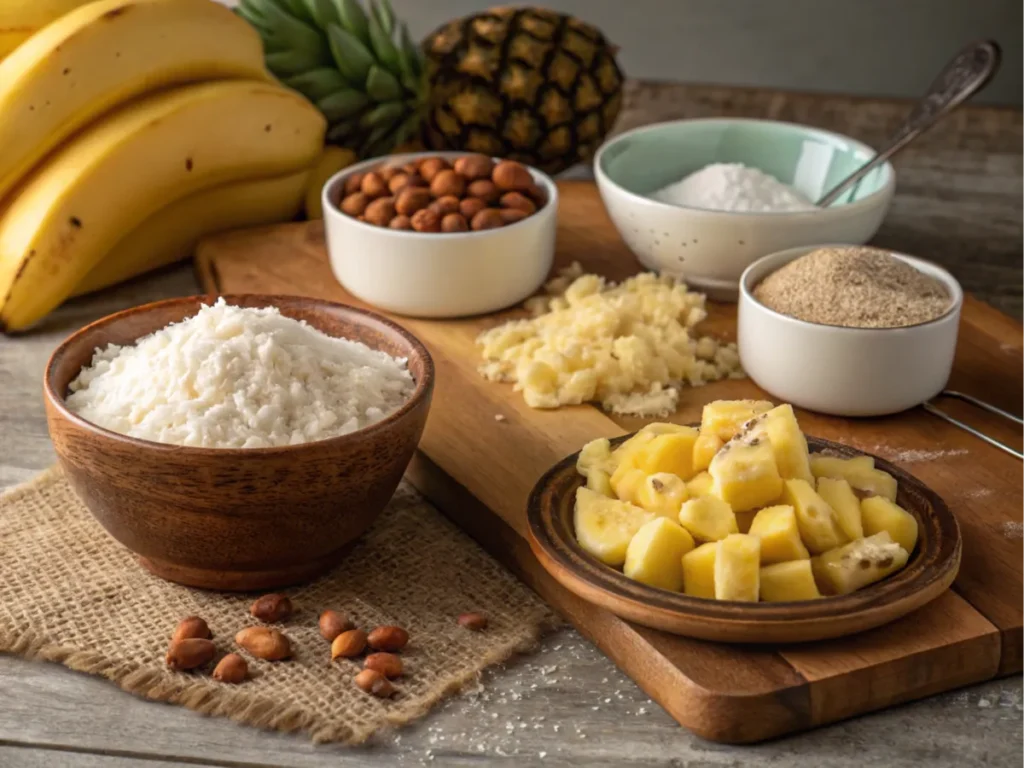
(966, 74)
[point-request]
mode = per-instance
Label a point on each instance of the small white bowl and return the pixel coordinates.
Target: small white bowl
(845, 371)
(712, 248)
(434, 274)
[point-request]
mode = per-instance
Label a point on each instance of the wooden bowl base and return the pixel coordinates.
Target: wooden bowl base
(244, 581)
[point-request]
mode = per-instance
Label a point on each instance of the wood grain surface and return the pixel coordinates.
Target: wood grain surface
(709, 688)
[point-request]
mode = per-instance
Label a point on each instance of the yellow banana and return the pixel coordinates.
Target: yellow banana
(104, 53)
(73, 209)
(20, 19)
(171, 234)
(331, 161)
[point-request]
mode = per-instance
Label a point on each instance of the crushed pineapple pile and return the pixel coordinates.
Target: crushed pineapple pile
(738, 509)
(626, 346)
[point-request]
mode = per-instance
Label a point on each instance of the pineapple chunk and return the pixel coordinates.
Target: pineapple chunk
(704, 451)
(664, 428)
(844, 502)
(789, 581)
(880, 514)
(672, 453)
(814, 517)
(699, 571)
(708, 518)
(700, 485)
(597, 480)
(724, 418)
(859, 563)
(832, 466)
(655, 555)
(744, 520)
(627, 483)
(789, 445)
(857, 472)
(597, 454)
(777, 529)
(623, 454)
(737, 568)
(746, 476)
(604, 527)
(663, 494)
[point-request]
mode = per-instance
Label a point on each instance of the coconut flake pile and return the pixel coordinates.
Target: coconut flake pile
(233, 377)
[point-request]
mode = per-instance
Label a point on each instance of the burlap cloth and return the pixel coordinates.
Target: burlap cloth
(70, 593)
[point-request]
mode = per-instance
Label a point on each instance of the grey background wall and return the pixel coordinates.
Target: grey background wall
(872, 47)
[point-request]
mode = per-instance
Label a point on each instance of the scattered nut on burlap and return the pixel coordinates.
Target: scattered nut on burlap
(71, 594)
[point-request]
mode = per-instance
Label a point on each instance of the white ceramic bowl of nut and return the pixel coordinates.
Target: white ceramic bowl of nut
(839, 370)
(447, 243)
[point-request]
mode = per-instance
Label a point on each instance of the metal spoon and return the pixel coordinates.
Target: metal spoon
(966, 74)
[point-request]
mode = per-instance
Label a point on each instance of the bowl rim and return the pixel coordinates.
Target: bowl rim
(423, 389)
(875, 198)
(788, 255)
(549, 208)
(926, 569)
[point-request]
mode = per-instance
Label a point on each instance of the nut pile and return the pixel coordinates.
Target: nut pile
(192, 644)
(433, 195)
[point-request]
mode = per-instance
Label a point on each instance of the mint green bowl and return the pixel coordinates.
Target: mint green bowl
(712, 248)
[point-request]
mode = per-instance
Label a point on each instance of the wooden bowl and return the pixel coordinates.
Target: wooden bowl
(930, 571)
(236, 519)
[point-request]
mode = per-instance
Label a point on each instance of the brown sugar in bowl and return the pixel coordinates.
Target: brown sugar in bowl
(236, 519)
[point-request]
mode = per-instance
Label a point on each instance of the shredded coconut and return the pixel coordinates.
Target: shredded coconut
(233, 377)
(733, 187)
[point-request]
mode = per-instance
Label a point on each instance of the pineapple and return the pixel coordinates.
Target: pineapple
(655, 554)
(700, 485)
(598, 480)
(746, 475)
(708, 518)
(704, 450)
(699, 571)
(844, 502)
(880, 514)
(604, 527)
(788, 582)
(525, 83)
(597, 454)
(777, 529)
(623, 456)
(627, 482)
(814, 517)
(861, 475)
(672, 453)
(859, 563)
(664, 428)
(725, 418)
(663, 494)
(780, 426)
(737, 568)
(833, 466)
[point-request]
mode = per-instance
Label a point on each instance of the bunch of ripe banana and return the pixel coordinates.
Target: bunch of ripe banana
(128, 130)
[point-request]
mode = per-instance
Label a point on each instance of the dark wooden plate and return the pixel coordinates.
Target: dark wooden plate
(930, 571)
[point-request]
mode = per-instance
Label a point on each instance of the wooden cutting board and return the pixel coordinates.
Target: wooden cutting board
(479, 471)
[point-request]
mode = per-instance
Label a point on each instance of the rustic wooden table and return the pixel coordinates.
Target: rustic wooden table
(958, 202)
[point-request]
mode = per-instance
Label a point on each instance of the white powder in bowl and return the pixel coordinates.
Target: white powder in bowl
(233, 377)
(733, 187)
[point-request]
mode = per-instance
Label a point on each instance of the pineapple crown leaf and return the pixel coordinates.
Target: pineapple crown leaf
(353, 18)
(383, 47)
(320, 12)
(384, 14)
(350, 55)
